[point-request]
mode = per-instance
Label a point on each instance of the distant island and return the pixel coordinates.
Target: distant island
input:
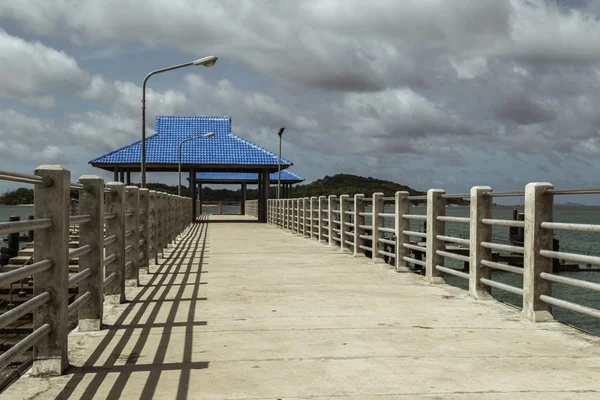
(353, 184)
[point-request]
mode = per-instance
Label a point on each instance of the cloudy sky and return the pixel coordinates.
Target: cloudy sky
(429, 93)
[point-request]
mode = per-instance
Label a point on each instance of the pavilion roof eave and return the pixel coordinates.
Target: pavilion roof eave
(133, 167)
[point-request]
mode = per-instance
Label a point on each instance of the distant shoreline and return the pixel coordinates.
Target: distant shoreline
(17, 205)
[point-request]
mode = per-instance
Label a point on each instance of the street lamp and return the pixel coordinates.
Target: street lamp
(210, 134)
(280, 133)
(206, 61)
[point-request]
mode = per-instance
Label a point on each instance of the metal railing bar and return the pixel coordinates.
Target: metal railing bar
(505, 247)
(81, 300)
(413, 233)
(77, 186)
(452, 271)
(26, 343)
(367, 248)
(349, 212)
(572, 191)
(452, 239)
(413, 216)
(389, 199)
(457, 196)
(78, 277)
(109, 259)
(503, 267)
(592, 312)
(570, 227)
(413, 247)
(570, 281)
(502, 286)
(14, 314)
(386, 241)
(129, 232)
(23, 178)
(348, 224)
(110, 278)
(335, 211)
(415, 261)
(365, 214)
(424, 197)
(454, 219)
(128, 264)
(336, 230)
(455, 256)
(25, 225)
(504, 222)
(110, 239)
(349, 242)
(128, 213)
(23, 272)
(364, 226)
(108, 216)
(504, 194)
(79, 251)
(368, 237)
(570, 256)
(386, 253)
(387, 215)
(388, 230)
(79, 219)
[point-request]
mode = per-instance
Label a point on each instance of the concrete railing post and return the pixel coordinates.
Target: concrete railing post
(321, 206)
(290, 218)
(330, 218)
(162, 232)
(50, 355)
(538, 209)
(132, 235)
(145, 230)
(114, 291)
(293, 215)
(436, 207)
(359, 207)
(311, 216)
(401, 208)
(344, 218)
(91, 202)
(286, 211)
(298, 215)
(305, 207)
(270, 211)
(481, 208)
(152, 227)
(376, 223)
(169, 220)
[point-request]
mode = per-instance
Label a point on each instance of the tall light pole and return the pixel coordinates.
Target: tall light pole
(210, 134)
(280, 133)
(206, 61)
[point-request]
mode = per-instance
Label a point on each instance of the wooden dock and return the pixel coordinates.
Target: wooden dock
(241, 310)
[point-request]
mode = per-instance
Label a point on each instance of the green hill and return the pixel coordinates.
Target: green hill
(353, 184)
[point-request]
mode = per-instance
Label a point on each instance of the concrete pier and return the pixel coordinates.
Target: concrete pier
(249, 311)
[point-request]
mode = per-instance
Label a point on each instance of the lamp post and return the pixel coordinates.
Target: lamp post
(280, 133)
(210, 134)
(206, 61)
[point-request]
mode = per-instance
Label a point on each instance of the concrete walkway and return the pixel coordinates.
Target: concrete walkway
(247, 311)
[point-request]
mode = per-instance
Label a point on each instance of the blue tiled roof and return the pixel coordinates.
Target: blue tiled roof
(246, 176)
(224, 148)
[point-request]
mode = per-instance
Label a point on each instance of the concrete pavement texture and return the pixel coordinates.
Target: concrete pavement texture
(241, 310)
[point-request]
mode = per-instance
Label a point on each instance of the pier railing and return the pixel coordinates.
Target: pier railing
(251, 208)
(122, 229)
(340, 221)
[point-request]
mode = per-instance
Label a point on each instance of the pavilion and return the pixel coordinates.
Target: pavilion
(288, 178)
(223, 152)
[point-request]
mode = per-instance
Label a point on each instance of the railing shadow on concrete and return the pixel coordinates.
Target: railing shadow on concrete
(121, 230)
(132, 328)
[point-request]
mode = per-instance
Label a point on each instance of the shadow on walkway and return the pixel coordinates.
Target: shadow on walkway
(185, 259)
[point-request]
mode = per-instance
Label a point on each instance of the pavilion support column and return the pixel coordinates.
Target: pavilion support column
(266, 185)
(115, 174)
(260, 196)
(122, 175)
(193, 193)
(243, 205)
(200, 198)
(129, 177)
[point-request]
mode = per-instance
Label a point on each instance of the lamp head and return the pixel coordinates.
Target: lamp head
(280, 132)
(209, 134)
(206, 61)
